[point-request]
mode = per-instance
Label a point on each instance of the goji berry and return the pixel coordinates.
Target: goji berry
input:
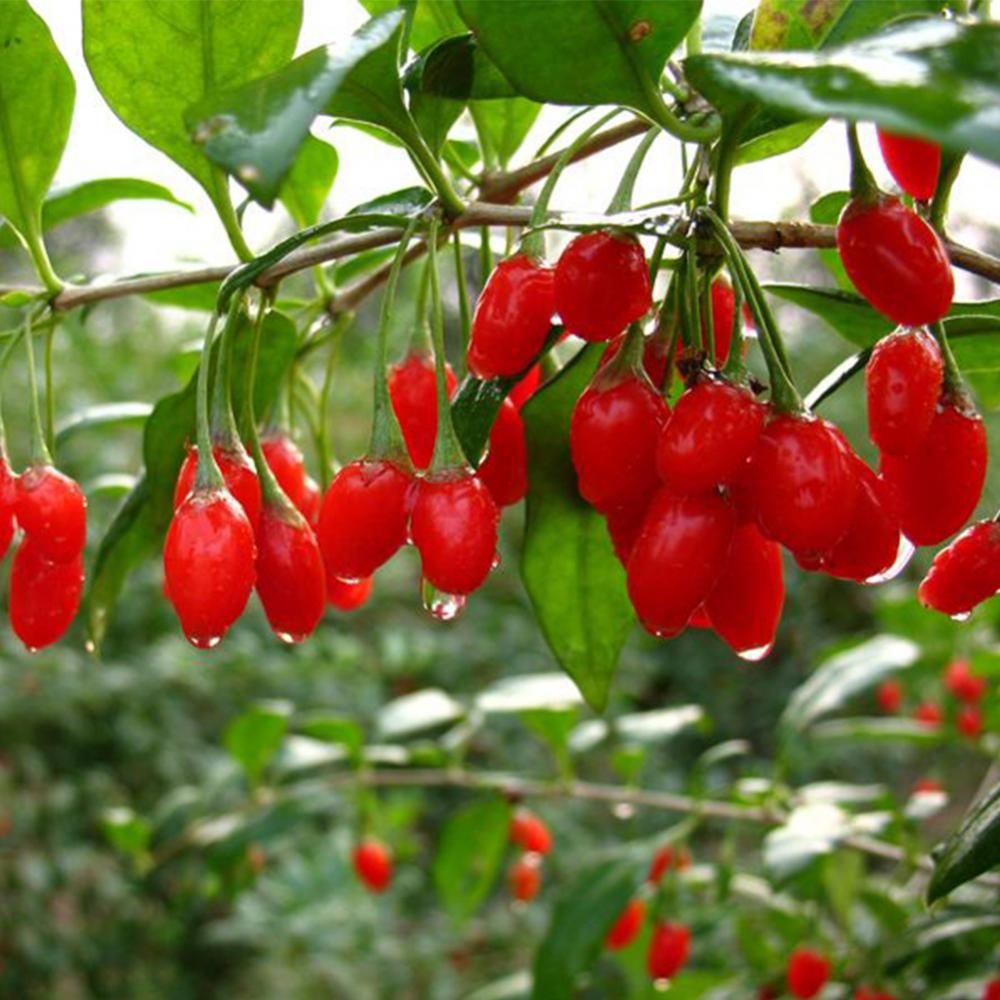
(669, 949)
(962, 682)
(373, 864)
(530, 832)
(889, 696)
(50, 507)
(626, 928)
(505, 469)
(348, 595)
(914, 163)
(965, 573)
(238, 472)
(525, 877)
(807, 973)
(44, 595)
(412, 389)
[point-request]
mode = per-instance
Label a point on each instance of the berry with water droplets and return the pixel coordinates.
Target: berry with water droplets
(626, 928)
(348, 595)
(969, 721)
(373, 864)
(525, 877)
(914, 163)
(413, 391)
(285, 461)
(963, 683)
(965, 573)
(50, 508)
(807, 973)
(505, 469)
(889, 696)
(530, 832)
(44, 595)
(669, 948)
(929, 713)
(238, 473)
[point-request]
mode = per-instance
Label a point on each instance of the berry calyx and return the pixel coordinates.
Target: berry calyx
(512, 317)
(44, 594)
(962, 576)
(50, 508)
(348, 595)
(525, 877)
(238, 472)
(969, 721)
(889, 696)
(626, 928)
(505, 469)
(530, 832)
(929, 714)
(669, 949)
(414, 401)
(285, 461)
(963, 683)
(602, 284)
(373, 864)
(914, 163)
(807, 973)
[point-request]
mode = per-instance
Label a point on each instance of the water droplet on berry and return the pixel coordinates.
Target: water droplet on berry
(623, 810)
(496, 561)
(661, 985)
(755, 655)
(32, 649)
(444, 607)
(90, 646)
(962, 616)
(290, 638)
(903, 555)
(204, 641)
(351, 581)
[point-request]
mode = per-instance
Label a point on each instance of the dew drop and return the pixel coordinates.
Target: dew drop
(903, 555)
(350, 581)
(962, 616)
(623, 810)
(248, 173)
(496, 561)
(661, 985)
(32, 649)
(755, 655)
(90, 646)
(444, 607)
(204, 641)
(290, 638)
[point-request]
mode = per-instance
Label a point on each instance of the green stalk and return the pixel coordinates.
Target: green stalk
(50, 398)
(622, 199)
(735, 369)
(327, 459)
(954, 384)
(208, 477)
(863, 185)
(8, 351)
(708, 320)
(219, 193)
(951, 163)
(464, 310)
(427, 163)
(221, 418)
(729, 143)
(39, 450)
(485, 256)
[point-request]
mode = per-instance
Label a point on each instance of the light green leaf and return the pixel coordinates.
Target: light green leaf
(418, 712)
(333, 729)
(504, 125)
(655, 726)
(254, 737)
(309, 181)
(103, 415)
(876, 730)
(528, 692)
(126, 831)
(826, 210)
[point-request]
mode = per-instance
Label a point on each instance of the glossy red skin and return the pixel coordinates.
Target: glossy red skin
(914, 163)
(992, 991)
(348, 595)
(530, 832)
(969, 721)
(454, 527)
(526, 388)
(903, 379)
(801, 483)
(363, 520)
(709, 436)
(936, 488)
(505, 470)
(669, 949)
(624, 525)
(807, 973)
(209, 560)
(525, 878)
(286, 462)
(678, 557)
(961, 681)
(412, 389)
(312, 500)
(929, 714)
(602, 285)
(238, 472)
(51, 508)
(896, 261)
(963, 575)
(512, 318)
(744, 607)
(626, 928)
(291, 581)
(8, 502)
(373, 865)
(613, 435)
(664, 859)
(889, 696)
(723, 311)
(44, 595)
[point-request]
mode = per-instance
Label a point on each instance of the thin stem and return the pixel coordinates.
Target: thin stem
(954, 384)
(227, 215)
(863, 184)
(50, 396)
(729, 143)
(327, 459)
(39, 451)
(485, 256)
(464, 309)
(622, 200)
(208, 476)
(222, 420)
(951, 163)
(428, 165)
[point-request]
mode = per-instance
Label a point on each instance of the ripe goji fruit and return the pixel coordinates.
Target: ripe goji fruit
(914, 163)
(624, 525)
(373, 864)
(285, 461)
(807, 973)
(291, 581)
(992, 991)
(512, 318)
(679, 555)
(709, 436)
(525, 877)
(348, 595)
(44, 595)
(312, 500)
(8, 502)
(413, 391)
(936, 487)
(238, 472)
(454, 527)
(969, 721)
(666, 858)
(363, 520)
(602, 284)
(962, 682)
(723, 313)
(669, 949)
(896, 260)
(929, 713)
(889, 696)
(50, 508)
(903, 380)
(626, 928)
(526, 388)
(965, 573)
(864, 993)
(530, 832)
(927, 786)
(209, 560)
(505, 469)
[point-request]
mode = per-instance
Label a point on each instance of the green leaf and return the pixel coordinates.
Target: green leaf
(457, 68)
(470, 849)
(254, 737)
(876, 730)
(774, 142)
(153, 59)
(541, 47)
(930, 77)
(528, 692)
(655, 726)
(971, 850)
(333, 729)
(826, 210)
(308, 183)
(126, 831)
(504, 125)
(810, 832)
(36, 106)
(943, 931)
(103, 415)
(418, 712)
(569, 568)
(254, 131)
(202, 297)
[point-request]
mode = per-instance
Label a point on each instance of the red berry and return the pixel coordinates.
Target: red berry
(669, 949)
(889, 696)
(285, 460)
(44, 595)
(238, 472)
(969, 721)
(290, 579)
(723, 312)
(929, 713)
(962, 682)
(928, 786)
(348, 595)
(373, 865)
(624, 525)
(209, 559)
(744, 607)
(807, 973)
(626, 928)
(801, 483)
(362, 522)
(530, 832)
(412, 388)
(505, 469)
(526, 388)
(864, 993)
(992, 991)
(709, 435)
(454, 527)
(664, 859)
(613, 433)
(896, 260)
(914, 163)
(8, 502)
(51, 508)
(525, 877)
(602, 284)
(678, 556)
(512, 319)
(903, 379)
(936, 487)
(964, 574)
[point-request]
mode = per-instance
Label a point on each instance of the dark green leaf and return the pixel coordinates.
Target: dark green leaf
(943, 931)
(504, 125)
(971, 850)
(456, 68)
(574, 580)
(254, 737)
(826, 210)
(309, 181)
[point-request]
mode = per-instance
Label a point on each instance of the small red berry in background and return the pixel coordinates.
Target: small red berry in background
(348, 595)
(969, 721)
(669, 949)
(666, 858)
(889, 696)
(8, 501)
(962, 682)
(626, 928)
(413, 391)
(965, 573)
(602, 285)
(44, 595)
(723, 314)
(807, 973)
(51, 508)
(914, 163)
(284, 459)
(896, 260)
(373, 864)
(992, 991)
(525, 877)
(530, 832)
(238, 473)
(927, 786)
(929, 713)
(864, 993)
(505, 469)
(527, 387)
(512, 318)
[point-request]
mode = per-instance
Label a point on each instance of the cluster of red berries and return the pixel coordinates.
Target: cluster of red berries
(966, 687)
(530, 834)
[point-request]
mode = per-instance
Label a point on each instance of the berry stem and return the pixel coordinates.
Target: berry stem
(50, 398)
(863, 185)
(39, 450)
(208, 476)
(327, 458)
(464, 311)
(622, 199)
(221, 419)
(951, 163)
(725, 156)
(954, 384)
(708, 319)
